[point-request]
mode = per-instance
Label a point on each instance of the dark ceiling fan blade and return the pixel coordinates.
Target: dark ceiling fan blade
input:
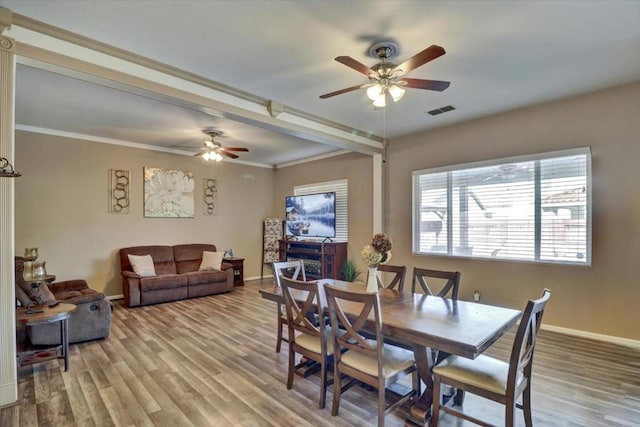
(352, 63)
(235, 149)
(425, 84)
(341, 91)
(231, 155)
(421, 58)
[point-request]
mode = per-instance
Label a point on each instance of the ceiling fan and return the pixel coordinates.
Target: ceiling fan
(213, 150)
(386, 77)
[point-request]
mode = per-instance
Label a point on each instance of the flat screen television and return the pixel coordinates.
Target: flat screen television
(311, 215)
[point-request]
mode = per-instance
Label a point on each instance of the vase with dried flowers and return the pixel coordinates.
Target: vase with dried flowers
(374, 254)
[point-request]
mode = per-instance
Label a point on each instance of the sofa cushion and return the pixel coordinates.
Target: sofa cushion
(189, 257)
(211, 261)
(142, 265)
(162, 258)
(200, 277)
(165, 281)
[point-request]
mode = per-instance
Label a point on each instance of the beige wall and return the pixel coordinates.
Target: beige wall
(357, 169)
(61, 207)
(602, 298)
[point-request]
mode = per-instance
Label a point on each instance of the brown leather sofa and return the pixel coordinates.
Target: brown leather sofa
(91, 320)
(177, 276)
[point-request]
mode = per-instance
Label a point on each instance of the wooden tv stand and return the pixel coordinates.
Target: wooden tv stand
(322, 260)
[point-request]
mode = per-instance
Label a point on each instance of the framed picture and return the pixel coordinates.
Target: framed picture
(168, 193)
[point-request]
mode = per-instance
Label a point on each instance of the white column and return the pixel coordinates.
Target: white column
(377, 193)
(8, 373)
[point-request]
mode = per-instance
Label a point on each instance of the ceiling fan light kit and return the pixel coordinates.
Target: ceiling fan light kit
(386, 77)
(213, 150)
(212, 156)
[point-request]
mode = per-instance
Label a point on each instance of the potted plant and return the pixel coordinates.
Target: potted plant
(349, 271)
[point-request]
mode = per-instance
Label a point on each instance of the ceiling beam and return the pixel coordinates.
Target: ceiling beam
(53, 49)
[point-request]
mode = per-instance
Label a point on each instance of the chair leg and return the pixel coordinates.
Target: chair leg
(526, 406)
(435, 406)
(323, 384)
(337, 388)
(292, 367)
(279, 337)
(382, 403)
(510, 413)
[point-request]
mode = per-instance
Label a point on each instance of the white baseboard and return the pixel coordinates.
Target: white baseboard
(266, 276)
(627, 342)
(8, 394)
(112, 297)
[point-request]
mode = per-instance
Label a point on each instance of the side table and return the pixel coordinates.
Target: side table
(238, 270)
(59, 313)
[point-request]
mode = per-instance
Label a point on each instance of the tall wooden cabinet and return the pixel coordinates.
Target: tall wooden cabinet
(321, 260)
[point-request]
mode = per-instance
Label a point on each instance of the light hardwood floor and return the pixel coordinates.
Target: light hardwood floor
(211, 362)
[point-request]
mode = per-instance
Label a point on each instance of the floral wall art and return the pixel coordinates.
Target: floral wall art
(168, 193)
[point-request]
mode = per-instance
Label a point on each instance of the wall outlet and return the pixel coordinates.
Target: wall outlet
(476, 296)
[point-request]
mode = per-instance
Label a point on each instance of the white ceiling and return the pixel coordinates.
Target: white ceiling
(500, 55)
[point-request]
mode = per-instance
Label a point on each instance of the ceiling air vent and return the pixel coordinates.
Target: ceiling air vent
(441, 110)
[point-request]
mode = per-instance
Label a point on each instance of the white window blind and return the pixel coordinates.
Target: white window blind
(530, 208)
(341, 188)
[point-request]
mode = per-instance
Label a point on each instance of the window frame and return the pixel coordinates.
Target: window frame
(538, 241)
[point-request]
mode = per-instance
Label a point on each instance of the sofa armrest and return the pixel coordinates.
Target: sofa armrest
(226, 265)
(86, 298)
(130, 274)
(67, 285)
(131, 288)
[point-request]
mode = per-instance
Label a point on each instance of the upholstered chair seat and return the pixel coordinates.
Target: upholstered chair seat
(484, 372)
(394, 360)
(314, 344)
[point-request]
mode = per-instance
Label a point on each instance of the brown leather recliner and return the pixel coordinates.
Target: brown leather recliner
(91, 319)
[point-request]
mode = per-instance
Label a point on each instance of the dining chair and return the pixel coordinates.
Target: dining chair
(365, 360)
(451, 286)
(492, 378)
(397, 274)
(309, 339)
(292, 269)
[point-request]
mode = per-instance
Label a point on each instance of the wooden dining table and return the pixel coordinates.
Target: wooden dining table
(424, 322)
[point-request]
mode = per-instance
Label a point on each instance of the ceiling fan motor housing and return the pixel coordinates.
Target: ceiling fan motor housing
(384, 49)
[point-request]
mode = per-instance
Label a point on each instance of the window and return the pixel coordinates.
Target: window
(530, 208)
(342, 203)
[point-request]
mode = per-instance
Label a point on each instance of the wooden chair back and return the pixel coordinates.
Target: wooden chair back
(471, 377)
(353, 338)
(521, 360)
(300, 315)
(293, 270)
(290, 269)
(450, 288)
(397, 280)
(305, 311)
(363, 309)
